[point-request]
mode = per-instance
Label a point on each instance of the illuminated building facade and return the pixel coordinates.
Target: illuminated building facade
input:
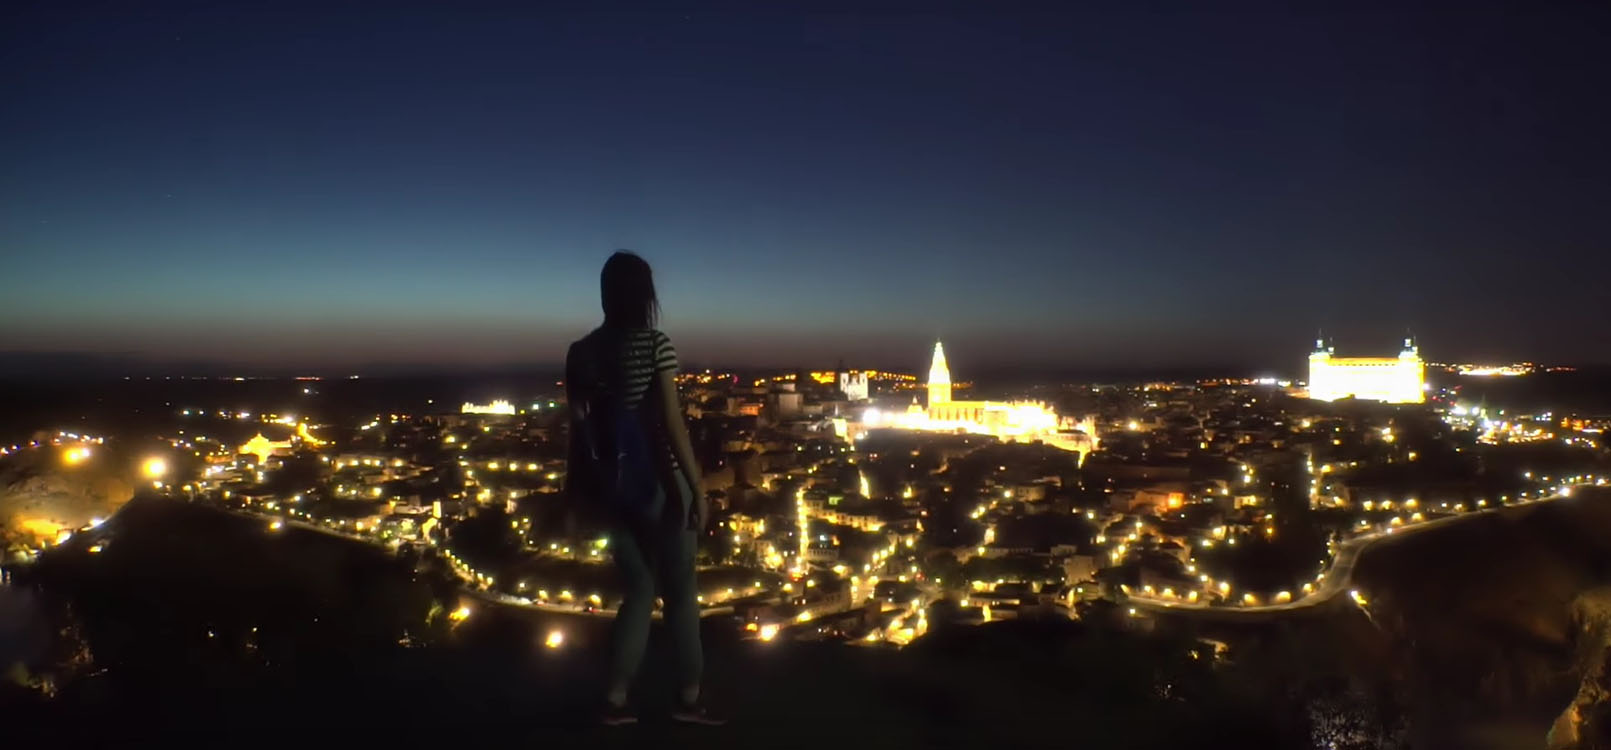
(497, 407)
(1393, 380)
(853, 385)
(1016, 421)
(263, 447)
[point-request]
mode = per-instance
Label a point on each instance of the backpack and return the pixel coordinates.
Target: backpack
(618, 443)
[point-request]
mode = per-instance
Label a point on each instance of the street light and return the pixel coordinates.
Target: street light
(155, 467)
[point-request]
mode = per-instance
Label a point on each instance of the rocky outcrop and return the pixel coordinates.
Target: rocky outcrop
(1586, 721)
(1501, 621)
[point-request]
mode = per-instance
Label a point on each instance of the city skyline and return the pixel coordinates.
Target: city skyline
(993, 376)
(1024, 375)
(290, 190)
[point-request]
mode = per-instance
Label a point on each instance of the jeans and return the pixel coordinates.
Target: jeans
(644, 553)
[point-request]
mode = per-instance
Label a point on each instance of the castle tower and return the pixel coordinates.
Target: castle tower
(939, 378)
(1320, 381)
(1410, 385)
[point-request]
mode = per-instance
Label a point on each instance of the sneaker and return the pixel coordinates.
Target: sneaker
(616, 716)
(696, 713)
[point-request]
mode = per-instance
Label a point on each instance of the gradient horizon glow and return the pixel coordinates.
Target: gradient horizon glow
(331, 187)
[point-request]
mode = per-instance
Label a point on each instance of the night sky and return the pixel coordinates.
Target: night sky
(318, 188)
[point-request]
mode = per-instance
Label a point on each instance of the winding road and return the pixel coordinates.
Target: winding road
(1338, 578)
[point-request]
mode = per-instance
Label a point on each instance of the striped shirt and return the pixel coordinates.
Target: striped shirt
(599, 363)
(627, 360)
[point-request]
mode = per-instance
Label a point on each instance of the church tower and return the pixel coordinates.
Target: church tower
(939, 378)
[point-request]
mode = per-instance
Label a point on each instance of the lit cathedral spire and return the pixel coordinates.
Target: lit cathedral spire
(939, 378)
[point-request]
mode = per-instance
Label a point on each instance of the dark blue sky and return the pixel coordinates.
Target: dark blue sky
(1085, 190)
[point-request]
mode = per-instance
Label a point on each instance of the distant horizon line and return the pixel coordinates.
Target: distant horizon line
(87, 366)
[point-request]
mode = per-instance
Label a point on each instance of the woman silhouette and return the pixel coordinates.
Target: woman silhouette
(628, 367)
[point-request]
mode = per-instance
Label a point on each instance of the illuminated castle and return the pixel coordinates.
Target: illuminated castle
(1393, 380)
(497, 407)
(1022, 421)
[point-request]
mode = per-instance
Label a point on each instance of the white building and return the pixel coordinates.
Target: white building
(1393, 380)
(854, 385)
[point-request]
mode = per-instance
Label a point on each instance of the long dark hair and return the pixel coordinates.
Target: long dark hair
(627, 288)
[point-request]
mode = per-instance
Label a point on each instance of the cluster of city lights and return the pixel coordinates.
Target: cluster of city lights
(816, 601)
(1363, 532)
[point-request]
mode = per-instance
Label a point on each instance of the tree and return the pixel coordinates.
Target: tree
(487, 539)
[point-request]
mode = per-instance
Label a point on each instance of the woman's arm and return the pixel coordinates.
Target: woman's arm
(577, 491)
(681, 446)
